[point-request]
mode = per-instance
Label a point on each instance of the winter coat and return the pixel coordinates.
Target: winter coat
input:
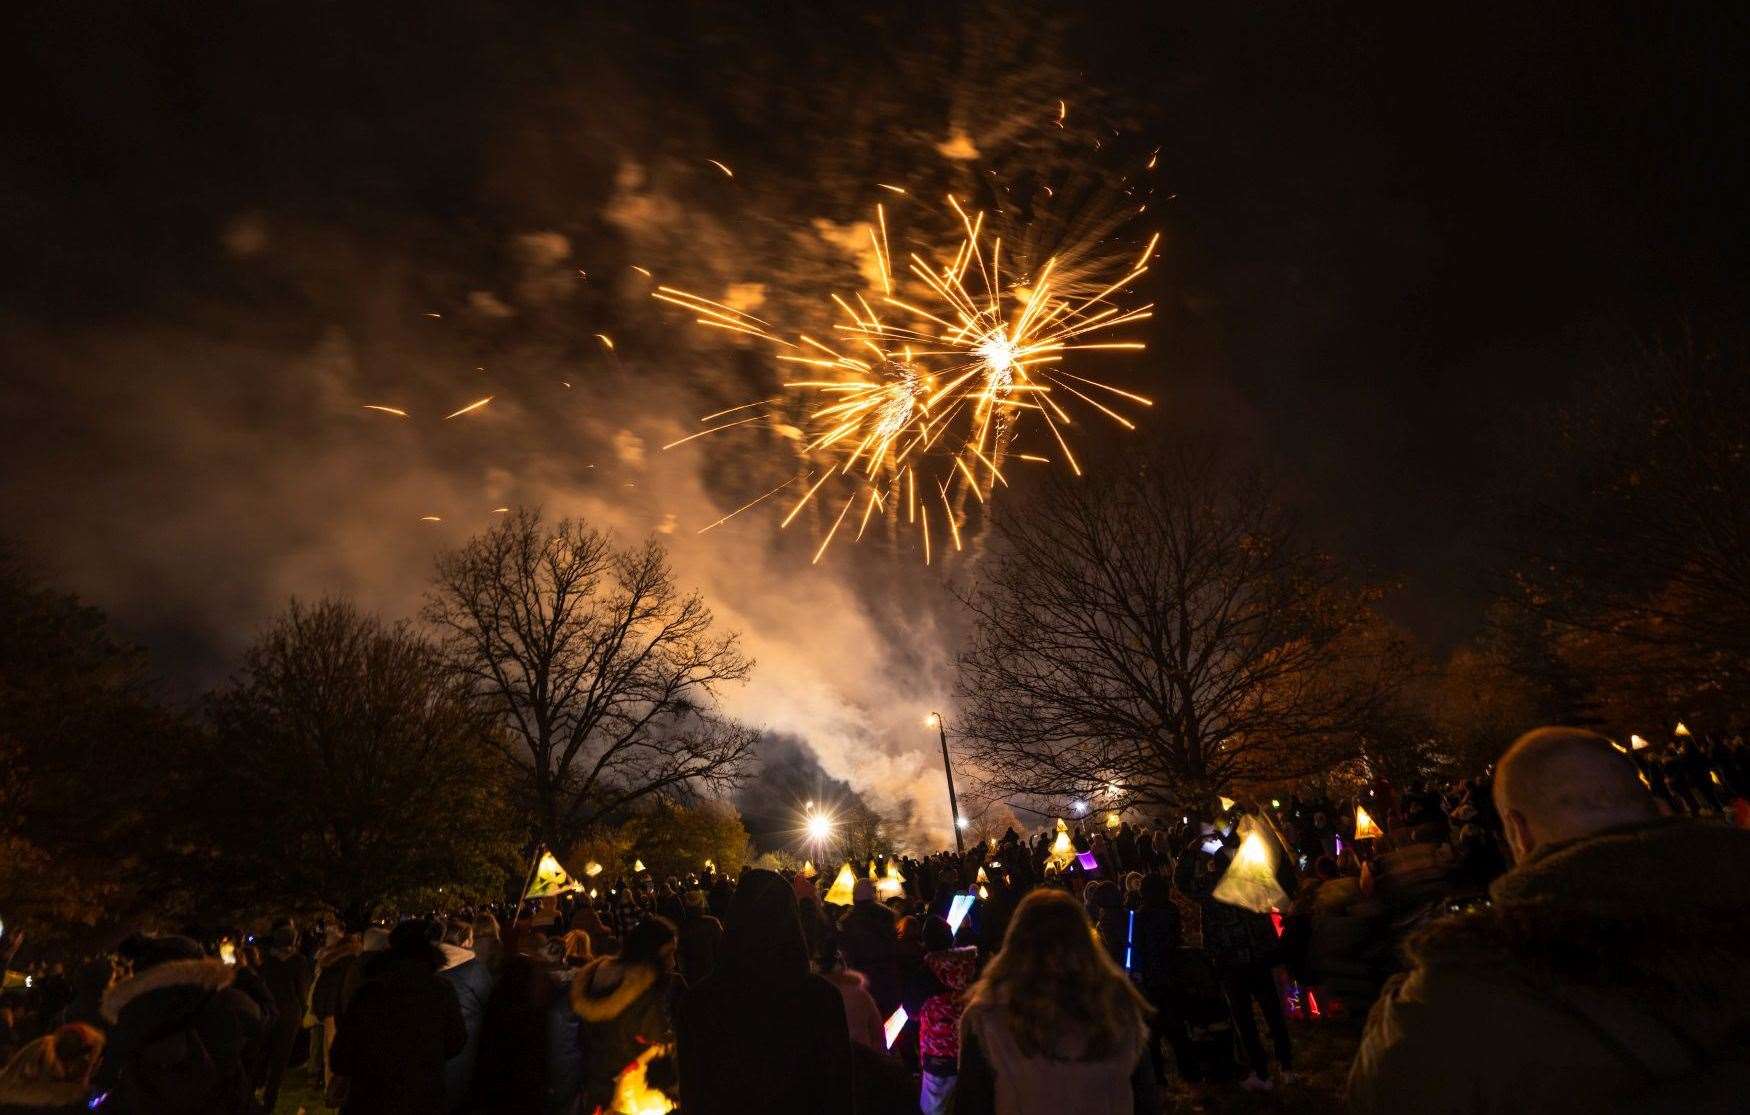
(179, 1033)
(332, 964)
(624, 1009)
(1611, 973)
(762, 1033)
(939, 1028)
(701, 939)
(1105, 900)
(394, 1038)
(515, 1064)
(869, 940)
(565, 1056)
(1154, 941)
(43, 1097)
(471, 980)
(288, 976)
(997, 1078)
(863, 1018)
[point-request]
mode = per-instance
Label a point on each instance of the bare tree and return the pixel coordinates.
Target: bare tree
(1158, 635)
(603, 673)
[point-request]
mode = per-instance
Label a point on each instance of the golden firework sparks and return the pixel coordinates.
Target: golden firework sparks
(473, 406)
(941, 369)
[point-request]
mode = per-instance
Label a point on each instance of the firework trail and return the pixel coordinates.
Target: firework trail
(924, 385)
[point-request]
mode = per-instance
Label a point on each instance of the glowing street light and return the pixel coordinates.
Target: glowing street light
(819, 827)
(961, 822)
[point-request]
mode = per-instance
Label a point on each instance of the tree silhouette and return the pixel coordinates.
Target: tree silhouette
(599, 672)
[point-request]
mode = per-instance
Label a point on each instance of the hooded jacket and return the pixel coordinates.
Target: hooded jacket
(166, 1020)
(1611, 973)
(939, 1030)
(762, 1033)
(624, 1009)
(471, 980)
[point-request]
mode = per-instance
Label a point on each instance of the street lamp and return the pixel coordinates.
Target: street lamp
(948, 769)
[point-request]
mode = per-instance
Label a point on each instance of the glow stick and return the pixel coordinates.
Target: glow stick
(895, 1023)
(958, 908)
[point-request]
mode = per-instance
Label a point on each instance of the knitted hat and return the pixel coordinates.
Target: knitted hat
(863, 891)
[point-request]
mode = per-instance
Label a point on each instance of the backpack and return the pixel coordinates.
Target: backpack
(172, 1072)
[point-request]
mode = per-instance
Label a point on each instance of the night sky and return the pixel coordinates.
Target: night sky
(1390, 245)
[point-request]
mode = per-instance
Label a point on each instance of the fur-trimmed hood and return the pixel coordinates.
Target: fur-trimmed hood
(42, 1093)
(1657, 915)
(607, 987)
(193, 980)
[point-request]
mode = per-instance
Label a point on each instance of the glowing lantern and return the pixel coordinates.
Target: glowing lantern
(1227, 804)
(592, 869)
(633, 1094)
(1365, 829)
(981, 877)
(1062, 851)
(1113, 821)
(808, 869)
(891, 884)
(1250, 880)
(1682, 729)
(842, 887)
(1637, 743)
(638, 865)
(709, 866)
(982, 893)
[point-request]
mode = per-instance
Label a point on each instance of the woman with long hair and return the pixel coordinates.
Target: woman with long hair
(1054, 1025)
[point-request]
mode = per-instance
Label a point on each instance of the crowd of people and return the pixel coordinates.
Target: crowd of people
(1574, 924)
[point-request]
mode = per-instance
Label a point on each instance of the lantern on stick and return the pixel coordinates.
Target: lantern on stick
(843, 887)
(1365, 828)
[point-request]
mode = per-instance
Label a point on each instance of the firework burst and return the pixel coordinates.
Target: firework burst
(930, 378)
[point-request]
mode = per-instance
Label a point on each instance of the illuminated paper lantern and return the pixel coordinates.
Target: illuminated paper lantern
(1113, 820)
(1250, 879)
(1227, 804)
(1637, 743)
(1365, 829)
(1062, 850)
(592, 869)
(637, 865)
(842, 887)
(550, 879)
(891, 884)
(808, 869)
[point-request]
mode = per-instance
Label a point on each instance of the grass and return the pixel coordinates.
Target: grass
(1322, 1052)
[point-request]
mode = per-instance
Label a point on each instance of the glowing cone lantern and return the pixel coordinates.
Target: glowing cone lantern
(1365, 828)
(842, 887)
(1250, 880)
(1062, 851)
(891, 884)
(808, 869)
(638, 865)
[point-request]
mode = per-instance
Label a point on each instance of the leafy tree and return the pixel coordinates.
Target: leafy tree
(1631, 593)
(673, 838)
(599, 672)
(80, 756)
(347, 768)
(1159, 634)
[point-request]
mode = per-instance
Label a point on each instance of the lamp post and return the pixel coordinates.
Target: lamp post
(948, 769)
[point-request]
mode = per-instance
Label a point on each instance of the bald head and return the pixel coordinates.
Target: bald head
(1558, 784)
